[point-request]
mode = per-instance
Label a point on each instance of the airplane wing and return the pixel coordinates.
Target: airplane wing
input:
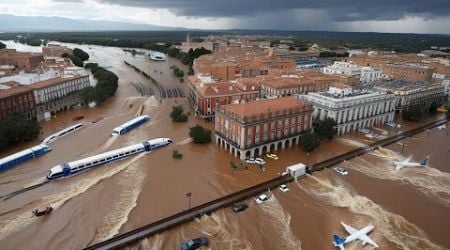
(407, 160)
(365, 239)
(398, 167)
(348, 228)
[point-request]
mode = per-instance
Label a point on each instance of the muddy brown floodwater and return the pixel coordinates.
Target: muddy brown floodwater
(409, 208)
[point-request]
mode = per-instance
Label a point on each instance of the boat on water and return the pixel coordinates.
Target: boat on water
(53, 137)
(130, 125)
(75, 167)
(22, 156)
(157, 56)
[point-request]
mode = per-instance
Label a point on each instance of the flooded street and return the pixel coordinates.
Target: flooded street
(409, 208)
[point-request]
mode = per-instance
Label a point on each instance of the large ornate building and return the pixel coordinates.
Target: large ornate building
(250, 129)
(352, 110)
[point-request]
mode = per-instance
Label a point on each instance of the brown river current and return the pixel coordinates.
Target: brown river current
(410, 208)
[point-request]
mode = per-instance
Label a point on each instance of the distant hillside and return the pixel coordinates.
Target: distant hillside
(302, 39)
(11, 23)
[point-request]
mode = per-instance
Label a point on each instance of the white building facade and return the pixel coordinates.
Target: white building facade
(409, 94)
(352, 111)
(366, 74)
(342, 68)
(58, 94)
(369, 75)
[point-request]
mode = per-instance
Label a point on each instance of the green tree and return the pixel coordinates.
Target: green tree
(200, 134)
(178, 114)
(80, 54)
(413, 114)
(309, 142)
(16, 129)
(76, 60)
(448, 113)
(325, 129)
(2, 45)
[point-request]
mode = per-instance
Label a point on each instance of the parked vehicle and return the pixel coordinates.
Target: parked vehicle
(283, 188)
(42, 211)
(239, 208)
(250, 161)
(261, 199)
(341, 171)
(260, 161)
(194, 243)
(272, 156)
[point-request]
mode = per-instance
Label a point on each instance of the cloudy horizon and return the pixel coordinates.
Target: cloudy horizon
(402, 16)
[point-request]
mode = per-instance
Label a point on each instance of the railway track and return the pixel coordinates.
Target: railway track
(209, 207)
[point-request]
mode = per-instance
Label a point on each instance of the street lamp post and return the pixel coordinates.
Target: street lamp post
(188, 195)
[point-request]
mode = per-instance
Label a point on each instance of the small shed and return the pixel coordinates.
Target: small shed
(296, 170)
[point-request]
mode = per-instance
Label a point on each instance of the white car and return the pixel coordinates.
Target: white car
(260, 161)
(251, 161)
(341, 171)
(261, 199)
(283, 188)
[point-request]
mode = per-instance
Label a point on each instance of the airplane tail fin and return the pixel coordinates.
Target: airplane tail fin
(424, 162)
(338, 241)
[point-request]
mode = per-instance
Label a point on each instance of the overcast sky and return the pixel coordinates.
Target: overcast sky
(415, 16)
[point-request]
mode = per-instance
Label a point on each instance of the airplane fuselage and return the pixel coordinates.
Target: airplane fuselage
(358, 234)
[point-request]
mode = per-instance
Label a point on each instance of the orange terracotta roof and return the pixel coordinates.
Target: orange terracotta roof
(266, 106)
(14, 91)
(51, 82)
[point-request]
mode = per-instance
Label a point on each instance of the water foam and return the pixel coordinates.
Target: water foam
(430, 181)
(131, 182)
(393, 227)
(281, 223)
(216, 226)
(23, 219)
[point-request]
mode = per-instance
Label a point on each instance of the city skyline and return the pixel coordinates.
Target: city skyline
(381, 16)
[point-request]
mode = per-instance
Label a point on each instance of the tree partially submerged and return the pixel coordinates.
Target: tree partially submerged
(80, 54)
(16, 129)
(178, 114)
(413, 113)
(325, 129)
(107, 84)
(309, 142)
(200, 134)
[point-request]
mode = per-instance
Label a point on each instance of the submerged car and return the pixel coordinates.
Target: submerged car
(42, 211)
(283, 188)
(341, 171)
(194, 243)
(272, 156)
(239, 208)
(261, 199)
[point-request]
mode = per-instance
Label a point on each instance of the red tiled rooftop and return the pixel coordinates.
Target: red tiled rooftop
(266, 106)
(50, 82)
(14, 91)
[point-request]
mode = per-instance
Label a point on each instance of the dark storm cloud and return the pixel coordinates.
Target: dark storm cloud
(339, 10)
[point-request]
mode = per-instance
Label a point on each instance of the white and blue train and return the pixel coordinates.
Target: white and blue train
(22, 156)
(129, 125)
(53, 137)
(74, 167)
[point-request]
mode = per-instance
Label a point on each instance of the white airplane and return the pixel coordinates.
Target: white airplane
(406, 163)
(354, 235)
